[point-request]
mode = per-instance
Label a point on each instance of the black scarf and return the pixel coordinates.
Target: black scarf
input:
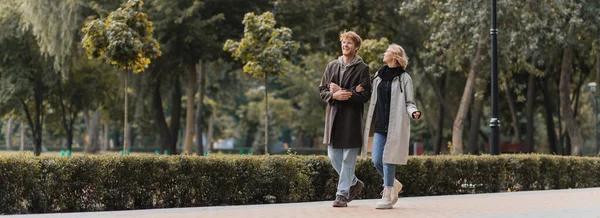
(388, 74)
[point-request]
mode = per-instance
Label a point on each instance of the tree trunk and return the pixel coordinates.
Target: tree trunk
(513, 113)
(66, 121)
(316, 140)
(441, 95)
(437, 142)
(93, 131)
(249, 138)
(561, 136)
(530, 112)
(105, 142)
(22, 134)
(38, 124)
(198, 123)
(467, 97)
(474, 129)
(8, 134)
(139, 106)
(35, 121)
(266, 114)
(209, 134)
(299, 139)
(567, 150)
(126, 146)
(597, 93)
(175, 114)
(549, 118)
(163, 129)
(190, 114)
(566, 110)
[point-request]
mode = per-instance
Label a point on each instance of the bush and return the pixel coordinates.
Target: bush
(65, 184)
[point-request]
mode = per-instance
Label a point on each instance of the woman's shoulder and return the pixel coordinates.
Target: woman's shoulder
(405, 75)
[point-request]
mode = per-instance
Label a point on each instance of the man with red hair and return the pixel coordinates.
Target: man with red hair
(345, 87)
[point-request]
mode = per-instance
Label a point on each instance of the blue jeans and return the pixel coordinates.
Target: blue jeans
(344, 161)
(388, 171)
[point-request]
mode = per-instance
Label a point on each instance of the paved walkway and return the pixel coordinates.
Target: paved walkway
(579, 203)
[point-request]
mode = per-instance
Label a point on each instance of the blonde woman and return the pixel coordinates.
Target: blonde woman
(388, 121)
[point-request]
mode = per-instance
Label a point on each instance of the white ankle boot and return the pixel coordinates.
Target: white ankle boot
(386, 198)
(398, 189)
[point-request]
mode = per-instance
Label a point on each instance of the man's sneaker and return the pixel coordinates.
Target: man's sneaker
(386, 198)
(340, 201)
(355, 190)
(398, 189)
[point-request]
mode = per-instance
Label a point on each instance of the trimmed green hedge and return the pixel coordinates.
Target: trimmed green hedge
(64, 184)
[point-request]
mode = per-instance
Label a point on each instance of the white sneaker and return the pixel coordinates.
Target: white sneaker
(398, 189)
(386, 198)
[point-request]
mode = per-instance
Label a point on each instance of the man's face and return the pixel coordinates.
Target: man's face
(348, 47)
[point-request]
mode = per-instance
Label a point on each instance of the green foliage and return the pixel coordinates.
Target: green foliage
(263, 48)
(124, 39)
(298, 85)
(130, 182)
(281, 112)
(20, 178)
(54, 23)
(372, 50)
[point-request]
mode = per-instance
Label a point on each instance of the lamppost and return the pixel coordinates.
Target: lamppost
(592, 86)
(494, 122)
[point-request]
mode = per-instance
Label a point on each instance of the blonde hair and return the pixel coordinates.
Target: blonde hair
(352, 36)
(399, 55)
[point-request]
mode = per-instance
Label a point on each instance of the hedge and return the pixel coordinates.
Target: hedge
(96, 183)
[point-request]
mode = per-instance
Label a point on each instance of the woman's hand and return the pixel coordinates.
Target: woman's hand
(416, 114)
(359, 88)
(334, 88)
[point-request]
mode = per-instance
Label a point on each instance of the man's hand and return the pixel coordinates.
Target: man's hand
(342, 95)
(416, 114)
(334, 88)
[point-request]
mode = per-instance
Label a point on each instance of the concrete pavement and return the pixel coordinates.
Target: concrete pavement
(579, 203)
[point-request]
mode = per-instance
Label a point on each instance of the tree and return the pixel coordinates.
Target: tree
(187, 31)
(8, 133)
(192, 34)
(125, 40)
(26, 82)
(54, 24)
(47, 20)
(263, 50)
(87, 87)
(457, 42)
(371, 51)
(307, 107)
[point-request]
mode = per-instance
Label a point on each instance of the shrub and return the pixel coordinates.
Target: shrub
(64, 184)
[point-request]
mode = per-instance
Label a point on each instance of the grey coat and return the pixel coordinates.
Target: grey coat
(402, 106)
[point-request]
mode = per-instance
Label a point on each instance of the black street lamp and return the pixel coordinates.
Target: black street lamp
(592, 86)
(494, 122)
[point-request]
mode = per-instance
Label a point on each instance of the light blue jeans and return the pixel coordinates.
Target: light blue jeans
(388, 171)
(344, 162)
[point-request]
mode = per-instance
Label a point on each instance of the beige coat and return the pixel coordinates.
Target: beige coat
(402, 106)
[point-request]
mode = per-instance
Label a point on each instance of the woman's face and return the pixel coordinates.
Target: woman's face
(388, 56)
